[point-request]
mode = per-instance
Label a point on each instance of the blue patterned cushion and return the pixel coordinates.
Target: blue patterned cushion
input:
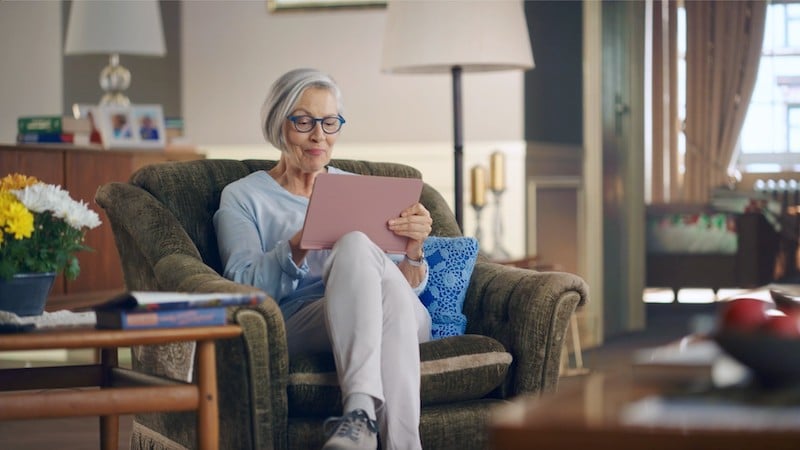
(450, 263)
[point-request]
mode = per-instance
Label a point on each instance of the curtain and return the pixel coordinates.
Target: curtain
(724, 40)
(664, 161)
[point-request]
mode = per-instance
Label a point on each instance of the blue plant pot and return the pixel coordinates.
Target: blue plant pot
(25, 294)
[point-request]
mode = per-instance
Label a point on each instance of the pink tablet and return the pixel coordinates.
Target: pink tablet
(341, 203)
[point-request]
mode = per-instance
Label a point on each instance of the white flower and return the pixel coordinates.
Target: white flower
(41, 197)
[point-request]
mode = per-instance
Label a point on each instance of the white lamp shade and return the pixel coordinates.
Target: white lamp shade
(432, 36)
(125, 27)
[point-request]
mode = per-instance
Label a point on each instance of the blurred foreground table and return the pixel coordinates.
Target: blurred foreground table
(624, 412)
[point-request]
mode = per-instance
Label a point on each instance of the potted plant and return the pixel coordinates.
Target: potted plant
(41, 230)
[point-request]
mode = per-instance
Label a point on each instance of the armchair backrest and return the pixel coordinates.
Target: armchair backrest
(191, 191)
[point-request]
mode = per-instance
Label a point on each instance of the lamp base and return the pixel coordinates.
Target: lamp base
(114, 79)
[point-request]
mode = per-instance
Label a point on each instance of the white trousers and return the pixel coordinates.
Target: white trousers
(373, 323)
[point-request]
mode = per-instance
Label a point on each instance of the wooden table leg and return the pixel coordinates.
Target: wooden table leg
(208, 411)
(109, 425)
(109, 432)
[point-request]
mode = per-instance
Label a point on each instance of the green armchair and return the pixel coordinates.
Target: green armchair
(162, 223)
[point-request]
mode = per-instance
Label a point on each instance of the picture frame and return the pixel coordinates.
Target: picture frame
(280, 5)
(134, 126)
(81, 110)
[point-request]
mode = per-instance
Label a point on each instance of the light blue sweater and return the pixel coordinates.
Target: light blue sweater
(255, 220)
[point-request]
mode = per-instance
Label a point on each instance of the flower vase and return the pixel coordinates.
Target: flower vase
(25, 294)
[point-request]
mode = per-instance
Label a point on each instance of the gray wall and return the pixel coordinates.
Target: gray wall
(554, 89)
(30, 67)
(153, 79)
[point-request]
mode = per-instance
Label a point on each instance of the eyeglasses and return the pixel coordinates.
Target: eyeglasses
(305, 123)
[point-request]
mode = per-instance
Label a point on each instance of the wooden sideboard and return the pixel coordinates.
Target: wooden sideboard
(81, 170)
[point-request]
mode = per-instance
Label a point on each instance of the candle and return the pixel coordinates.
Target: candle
(497, 167)
(478, 186)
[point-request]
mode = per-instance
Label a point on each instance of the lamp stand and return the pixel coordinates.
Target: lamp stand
(458, 150)
(114, 79)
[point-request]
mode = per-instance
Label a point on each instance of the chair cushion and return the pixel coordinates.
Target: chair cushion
(450, 263)
(454, 369)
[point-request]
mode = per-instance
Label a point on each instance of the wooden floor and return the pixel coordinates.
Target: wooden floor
(62, 434)
(666, 323)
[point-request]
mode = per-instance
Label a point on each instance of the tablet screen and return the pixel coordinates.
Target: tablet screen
(341, 203)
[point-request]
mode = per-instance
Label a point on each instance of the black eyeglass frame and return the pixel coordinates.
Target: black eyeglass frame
(315, 121)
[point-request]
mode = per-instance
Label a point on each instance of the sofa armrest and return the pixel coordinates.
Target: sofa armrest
(252, 370)
(529, 313)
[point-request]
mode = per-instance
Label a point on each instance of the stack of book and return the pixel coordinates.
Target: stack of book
(54, 129)
(138, 309)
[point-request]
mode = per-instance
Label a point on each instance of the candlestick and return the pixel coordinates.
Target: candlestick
(499, 253)
(478, 186)
(498, 176)
(478, 232)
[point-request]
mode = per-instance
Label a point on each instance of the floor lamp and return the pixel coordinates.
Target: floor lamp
(428, 36)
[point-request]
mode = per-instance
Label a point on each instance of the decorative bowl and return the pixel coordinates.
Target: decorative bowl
(785, 299)
(774, 360)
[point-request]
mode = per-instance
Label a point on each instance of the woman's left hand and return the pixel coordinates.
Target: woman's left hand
(415, 224)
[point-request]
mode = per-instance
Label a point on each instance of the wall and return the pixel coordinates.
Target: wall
(227, 70)
(30, 72)
(231, 51)
(554, 90)
(153, 79)
(554, 131)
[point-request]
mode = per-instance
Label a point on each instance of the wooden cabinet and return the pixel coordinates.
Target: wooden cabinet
(81, 170)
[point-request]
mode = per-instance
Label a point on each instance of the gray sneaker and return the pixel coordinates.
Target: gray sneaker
(354, 430)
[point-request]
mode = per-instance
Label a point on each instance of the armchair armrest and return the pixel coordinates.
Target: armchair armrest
(529, 313)
(173, 263)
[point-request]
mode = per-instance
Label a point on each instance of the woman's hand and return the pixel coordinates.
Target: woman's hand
(298, 254)
(415, 224)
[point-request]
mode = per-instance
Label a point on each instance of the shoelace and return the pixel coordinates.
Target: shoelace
(348, 425)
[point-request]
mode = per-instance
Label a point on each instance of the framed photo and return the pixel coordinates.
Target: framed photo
(135, 126)
(277, 5)
(81, 110)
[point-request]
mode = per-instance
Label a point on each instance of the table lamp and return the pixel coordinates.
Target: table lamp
(114, 28)
(430, 36)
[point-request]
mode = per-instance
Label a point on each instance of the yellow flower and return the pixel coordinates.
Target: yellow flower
(16, 181)
(15, 218)
(41, 227)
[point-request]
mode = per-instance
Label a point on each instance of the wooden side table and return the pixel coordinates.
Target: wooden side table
(121, 391)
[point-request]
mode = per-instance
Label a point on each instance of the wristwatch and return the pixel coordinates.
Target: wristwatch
(416, 262)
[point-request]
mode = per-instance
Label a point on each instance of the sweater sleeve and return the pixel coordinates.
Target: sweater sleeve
(248, 256)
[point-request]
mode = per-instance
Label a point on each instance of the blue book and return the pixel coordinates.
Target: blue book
(120, 319)
(32, 138)
(160, 301)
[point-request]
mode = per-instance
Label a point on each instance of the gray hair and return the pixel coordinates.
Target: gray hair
(283, 97)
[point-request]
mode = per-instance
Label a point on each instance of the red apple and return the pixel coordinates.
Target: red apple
(782, 326)
(743, 314)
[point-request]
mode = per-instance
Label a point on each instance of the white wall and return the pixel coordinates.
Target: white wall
(30, 62)
(232, 51)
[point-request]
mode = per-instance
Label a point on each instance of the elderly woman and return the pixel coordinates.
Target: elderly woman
(353, 300)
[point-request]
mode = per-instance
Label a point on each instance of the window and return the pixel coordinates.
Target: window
(793, 125)
(770, 139)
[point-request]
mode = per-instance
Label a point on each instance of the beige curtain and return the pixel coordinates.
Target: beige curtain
(663, 169)
(724, 40)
